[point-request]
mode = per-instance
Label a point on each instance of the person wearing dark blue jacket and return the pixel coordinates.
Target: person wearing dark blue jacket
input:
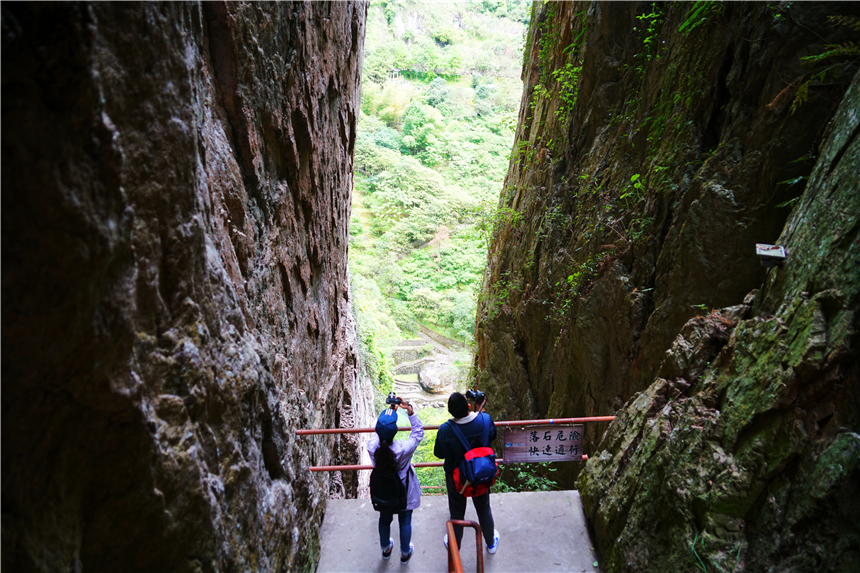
(449, 448)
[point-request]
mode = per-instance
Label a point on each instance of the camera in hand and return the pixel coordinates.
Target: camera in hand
(475, 396)
(393, 399)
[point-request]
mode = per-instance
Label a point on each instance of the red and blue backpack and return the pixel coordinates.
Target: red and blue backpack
(478, 470)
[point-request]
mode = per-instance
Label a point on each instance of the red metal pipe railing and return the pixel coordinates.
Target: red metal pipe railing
(555, 421)
(454, 563)
(418, 465)
(498, 424)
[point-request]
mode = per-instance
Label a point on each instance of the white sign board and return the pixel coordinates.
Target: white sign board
(552, 443)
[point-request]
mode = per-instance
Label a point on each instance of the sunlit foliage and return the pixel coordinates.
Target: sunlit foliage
(440, 91)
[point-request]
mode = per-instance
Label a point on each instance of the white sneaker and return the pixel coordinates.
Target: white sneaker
(386, 553)
(445, 541)
(492, 548)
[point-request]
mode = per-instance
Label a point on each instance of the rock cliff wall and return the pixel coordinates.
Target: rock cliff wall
(175, 189)
(744, 454)
(657, 144)
(649, 160)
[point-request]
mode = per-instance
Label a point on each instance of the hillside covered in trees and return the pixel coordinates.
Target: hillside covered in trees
(441, 86)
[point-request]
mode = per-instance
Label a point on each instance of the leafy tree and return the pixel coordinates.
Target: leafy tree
(444, 36)
(484, 91)
(423, 123)
(429, 58)
(463, 314)
(494, 6)
(355, 226)
(437, 92)
(377, 68)
(454, 63)
(519, 10)
(483, 108)
(406, 186)
(371, 159)
(385, 137)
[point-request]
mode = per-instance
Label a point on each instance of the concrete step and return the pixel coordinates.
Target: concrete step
(540, 532)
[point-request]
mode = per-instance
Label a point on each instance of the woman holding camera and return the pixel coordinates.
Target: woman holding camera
(387, 454)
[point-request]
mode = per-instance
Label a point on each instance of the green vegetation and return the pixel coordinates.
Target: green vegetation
(372, 325)
(699, 14)
(560, 78)
(424, 453)
(525, 477)
(439, 99)
(847, 52)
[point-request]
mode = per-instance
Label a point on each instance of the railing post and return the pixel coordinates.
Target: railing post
(455, 565)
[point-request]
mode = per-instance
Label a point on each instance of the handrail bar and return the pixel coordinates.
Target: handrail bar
(418, 465)
(498, 424)
(455, 565)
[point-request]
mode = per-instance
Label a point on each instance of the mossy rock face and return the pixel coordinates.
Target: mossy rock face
(633, 202)
(745, 455)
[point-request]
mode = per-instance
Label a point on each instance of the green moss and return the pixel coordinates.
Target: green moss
(839, 461)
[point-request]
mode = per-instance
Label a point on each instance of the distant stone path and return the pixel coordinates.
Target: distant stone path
(406, 352)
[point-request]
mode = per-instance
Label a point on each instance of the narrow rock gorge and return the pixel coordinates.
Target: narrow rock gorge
(657, 144)
(175, 209)
(176, 182)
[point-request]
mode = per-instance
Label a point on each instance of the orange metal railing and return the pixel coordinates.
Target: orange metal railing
(498, 424)
(418, 465)
(439, 464)
(454, 563)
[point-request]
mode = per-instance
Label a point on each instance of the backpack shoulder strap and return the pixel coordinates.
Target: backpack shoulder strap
(459, 433)
(486, 437)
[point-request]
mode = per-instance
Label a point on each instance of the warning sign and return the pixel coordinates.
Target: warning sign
(554, 443)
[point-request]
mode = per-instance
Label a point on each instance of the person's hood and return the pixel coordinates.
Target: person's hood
(465, 419)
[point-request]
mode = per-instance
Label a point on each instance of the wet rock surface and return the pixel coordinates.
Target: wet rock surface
(174, 280)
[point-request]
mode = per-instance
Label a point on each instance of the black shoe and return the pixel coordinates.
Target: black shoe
(386, 553)
(404, 559)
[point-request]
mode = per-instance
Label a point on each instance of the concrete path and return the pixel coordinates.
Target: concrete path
(540, 532)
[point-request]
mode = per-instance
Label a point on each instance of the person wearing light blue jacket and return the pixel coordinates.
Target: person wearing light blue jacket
(384, 452)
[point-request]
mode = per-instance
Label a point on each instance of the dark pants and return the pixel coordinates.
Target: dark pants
(404, 518)
(457, 509)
